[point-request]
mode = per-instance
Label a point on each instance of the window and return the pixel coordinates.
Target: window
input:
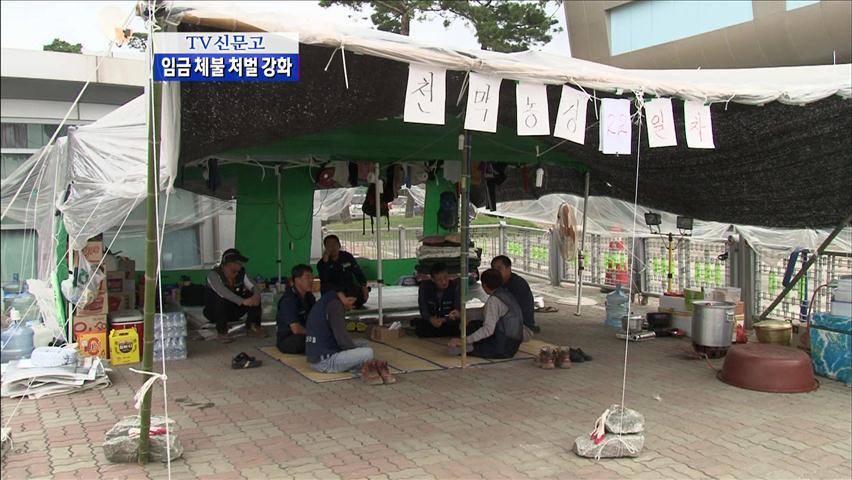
(794, 4)
(9, 162)
(181, 248)
(18, 253)
(645, 23)
(29, 135)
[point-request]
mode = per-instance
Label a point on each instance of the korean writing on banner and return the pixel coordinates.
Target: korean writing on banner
(571, 118)
(425, 97)
(615, 126)
(659, 120)
(226, 57)
(533, 113)
(698, 125)
(483, 97)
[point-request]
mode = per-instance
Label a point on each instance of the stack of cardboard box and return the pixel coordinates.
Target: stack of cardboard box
(90, 322)
(121, 284)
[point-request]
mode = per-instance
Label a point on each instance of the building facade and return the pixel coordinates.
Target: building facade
(37, 89)
(669, 34)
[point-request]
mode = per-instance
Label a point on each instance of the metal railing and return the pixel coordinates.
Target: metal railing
(695, 263)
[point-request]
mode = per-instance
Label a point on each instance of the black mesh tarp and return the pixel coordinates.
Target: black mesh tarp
(775, 165)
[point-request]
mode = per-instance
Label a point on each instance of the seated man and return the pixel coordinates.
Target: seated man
(293, 309)
(519, 288)
(230, 294)
(440, 302)
(501, 332)
(338, 270)
(328, 346)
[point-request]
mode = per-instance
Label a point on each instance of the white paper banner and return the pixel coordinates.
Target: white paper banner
(425, 95)
(533, 114)
(571, 118)
(659, 119)
(483, 96)
(615, 126)
(698, 125)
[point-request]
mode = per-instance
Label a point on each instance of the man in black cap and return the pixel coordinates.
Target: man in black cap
(230, 294)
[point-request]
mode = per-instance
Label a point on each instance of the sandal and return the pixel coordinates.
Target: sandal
(242, 361)
(384, 372)
(370, 374)
(351, 326)
(361, 327)
(547, 309)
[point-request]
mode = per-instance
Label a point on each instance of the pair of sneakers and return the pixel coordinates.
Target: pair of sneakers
(243, 360)
(376, 372)
(561, 357)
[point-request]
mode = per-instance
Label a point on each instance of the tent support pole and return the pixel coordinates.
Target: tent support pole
(279, 207)
(464, 278)
(151, 255)
(806, 266)
(580, 266)
(380, 277)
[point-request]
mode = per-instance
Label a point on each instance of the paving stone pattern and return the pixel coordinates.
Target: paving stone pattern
(504, 421)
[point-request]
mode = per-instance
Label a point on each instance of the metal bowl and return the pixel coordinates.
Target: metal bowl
(636, 322)
(774, 331)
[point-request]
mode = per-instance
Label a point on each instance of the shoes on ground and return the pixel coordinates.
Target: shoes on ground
(242, 361)
(370, 374)
(577, 355)
(534, 328)
(256, 331)
(224, 338)
(562, 357)
(546, 358)
(384, 372)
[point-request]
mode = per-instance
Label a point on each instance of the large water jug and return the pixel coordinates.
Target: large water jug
(616, 307)
(17, 342)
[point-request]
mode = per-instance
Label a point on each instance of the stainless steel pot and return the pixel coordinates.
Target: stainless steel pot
(712, 323)
(635, 322)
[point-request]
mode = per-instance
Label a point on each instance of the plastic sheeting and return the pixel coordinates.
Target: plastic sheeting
(607, 216)
(754, 86)
(36, 187)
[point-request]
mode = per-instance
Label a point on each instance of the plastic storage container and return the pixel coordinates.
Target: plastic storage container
(616, 307)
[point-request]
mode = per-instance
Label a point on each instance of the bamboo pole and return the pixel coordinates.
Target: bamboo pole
(151, 255)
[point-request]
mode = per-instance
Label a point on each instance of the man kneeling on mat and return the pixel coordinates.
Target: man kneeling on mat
(328, 346)
(501, 332)
(440, 301)
(293, 309)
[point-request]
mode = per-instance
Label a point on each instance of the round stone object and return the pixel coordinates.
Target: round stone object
(769, 368)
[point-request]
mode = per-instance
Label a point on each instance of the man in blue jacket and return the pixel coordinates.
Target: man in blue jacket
(338, 270)
(293, 309)
(440, 303)
(328, 346)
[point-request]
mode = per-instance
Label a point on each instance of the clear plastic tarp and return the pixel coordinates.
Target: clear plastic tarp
(608, 215)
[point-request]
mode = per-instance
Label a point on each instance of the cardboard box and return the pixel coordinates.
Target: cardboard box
(92, 324)
(739, 309)
(98, 306)
(127, 265)
(115, 282)
(93, 344)
(122, 301)
(381, 334)
(94, 251)
(725, 294)
(124, 346)
(671, 302)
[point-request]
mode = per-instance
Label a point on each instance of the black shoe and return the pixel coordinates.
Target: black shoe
(534, 328)
(242, 360)
(575, 355)
(579, 352)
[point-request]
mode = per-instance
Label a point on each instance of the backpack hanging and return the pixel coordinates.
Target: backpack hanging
(369, 209)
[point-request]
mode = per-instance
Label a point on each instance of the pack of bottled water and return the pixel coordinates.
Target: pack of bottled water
(170, 336)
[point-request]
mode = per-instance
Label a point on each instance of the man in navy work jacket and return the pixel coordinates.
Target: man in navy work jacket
(338, 270)
(293, 310)
(500, 333)
(328, 347)
(230, 294)
(519, 288)
(440, 303)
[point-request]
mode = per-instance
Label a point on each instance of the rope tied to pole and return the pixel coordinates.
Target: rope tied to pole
(140, 394)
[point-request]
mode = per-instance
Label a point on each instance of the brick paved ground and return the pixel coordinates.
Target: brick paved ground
(509, 420)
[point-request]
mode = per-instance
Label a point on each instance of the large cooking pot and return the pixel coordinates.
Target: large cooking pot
(712, 323)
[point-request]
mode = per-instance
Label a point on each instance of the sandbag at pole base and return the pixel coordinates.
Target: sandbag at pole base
(618, 433)
(121, 444)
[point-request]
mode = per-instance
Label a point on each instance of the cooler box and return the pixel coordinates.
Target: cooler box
(129, 319)
(831, 346)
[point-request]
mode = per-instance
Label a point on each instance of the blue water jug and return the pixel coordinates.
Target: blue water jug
(616, 307)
